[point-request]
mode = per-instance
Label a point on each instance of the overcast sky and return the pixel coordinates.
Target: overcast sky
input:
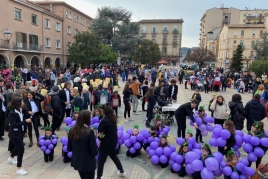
(190, 11)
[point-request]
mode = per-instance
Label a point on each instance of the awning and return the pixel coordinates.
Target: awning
(162, 61)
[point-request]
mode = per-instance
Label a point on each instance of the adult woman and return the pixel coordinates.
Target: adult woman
(126, 98)
(108, 141)
(77, 102)
(151, 104)
(16, 131)
(82, 143)
(3, 104)
(263, 77)
(237, 111)
(221, 110)
(34, 109)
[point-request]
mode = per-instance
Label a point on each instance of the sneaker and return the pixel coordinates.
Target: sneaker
(126, 121)
(21, 171)
(12, 160)
(202, 142)
(123, 174)
(130, 119)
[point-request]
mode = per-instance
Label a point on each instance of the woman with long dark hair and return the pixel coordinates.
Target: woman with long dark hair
(127, 92)
(16, 132)
(107, 134)
(77, 101)
(82, 143)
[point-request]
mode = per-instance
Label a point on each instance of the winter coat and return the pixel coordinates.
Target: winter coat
(237, 114)
(255, 110)
(219, 110)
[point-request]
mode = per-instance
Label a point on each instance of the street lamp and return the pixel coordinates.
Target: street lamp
(8, 36)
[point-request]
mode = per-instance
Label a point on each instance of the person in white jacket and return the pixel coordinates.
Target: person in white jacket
(221, 110)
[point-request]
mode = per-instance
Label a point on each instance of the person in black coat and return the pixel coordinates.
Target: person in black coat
(197, 96)
(56, 107)
(255, 111)
(77, 101)
(151, 104)
(107, 134)
(16, 132)
(34, 109)
(173, 90)
(230, 142)
(180, 115)
(3, 105)
(181, 75)
(47, 82)
(82, 143)
(65, 99)
(237, 111)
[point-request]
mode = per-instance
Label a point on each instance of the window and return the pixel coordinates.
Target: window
(69, 30)
(174, 38)
(70, 15)
(75, 17)
(252, 43)
(69, 45)
(175, 28)
(242, 42)
(143, 29)
(235, 33)
(47, 23)
(165, 39)
(34, 19)
(75, 31)
(165, 28)
(154, 30)
(234, 42)
(245, 15)
(67, 13)
(17, 14)
(57, 43)
(57, 26)
(33, 40)
(164, 51)
(252, 53)
(244, 21)
(47, 42)
(261, 32)
(242, 32)
(153, 39)
(254, 32)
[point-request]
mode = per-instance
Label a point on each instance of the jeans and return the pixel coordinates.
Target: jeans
(127, 109)
(249, 124)
(18, 150)
(116, 111)
(87, 175)
(45, 118)
(181, 122)
(102, 159)
(35, 125)
(149, 115)
(2, 124)
(198, 135)
(219, 121)
(135, 102)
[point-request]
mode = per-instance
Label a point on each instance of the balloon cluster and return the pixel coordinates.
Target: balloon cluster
(120, 132)
(46, 145)
(192, 144)
(160, 154)
(69, 123)
(94, 124)
(204, 128)
(132, 142)
(252, 147)
(64, 141)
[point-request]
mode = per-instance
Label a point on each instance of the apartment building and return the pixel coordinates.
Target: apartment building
(167, 34)
(235, 34)
(38, 33)
(254, 16)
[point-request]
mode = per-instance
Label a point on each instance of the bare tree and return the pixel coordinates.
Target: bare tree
(201, 56)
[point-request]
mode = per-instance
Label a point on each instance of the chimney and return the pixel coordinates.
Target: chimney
(50, 8)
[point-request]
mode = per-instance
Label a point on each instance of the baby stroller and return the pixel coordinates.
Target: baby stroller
(167, 117)
(237, 83)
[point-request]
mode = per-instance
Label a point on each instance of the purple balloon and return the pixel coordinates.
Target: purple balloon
(198, 151)
(173, 156)
(51, 146)
(218, 156)
(217, 132)
(213, 142)
(209, 119)
(180, 140)
(129, 131)
(120, 133)
(197, 165)
(248, 147)
(244, 161)
(163, 159)
(137, 146)
(255, 141)
(197, 146)
(41, 137)
(240, 167)
(154, 145)
(217, 172)
(47, 142)
(95, 119)
(218, 126)
(70, 154)
(159, 151)
(171, 162)
(209, 127)
(191, 156)
(176, 167)
(234, 175)
(150, 139)
(120, 128)
(167, 151)
(202, 127)
(252, 157)
(48, 151)
(246, 138)
(227, 171)
(179, 159)
(127, 143)
(146, 134)
(191, 123)
(132, 150)
(204, 133)
(145, 141)
(221, 142)
(64, 148)
(41, 142)
(133, 139)
(235, 147)
(242, 176)
(120, 141)
(198, 121)
(173, 148)
(54, 141)
(223, 164)
(191, 141)
(189, 169)
(250, 171)
(264, 142)
(240, 133)
(68, 120)
(237, 153)
(212, 164)
(258, 152)
(126, 136)
(206, 173)
(156, 139)
(148, 149)
(151, 152)
(238, 140)
(155, 159)
(140, 137)
(73, 123)
(43, 148)
(225, 134)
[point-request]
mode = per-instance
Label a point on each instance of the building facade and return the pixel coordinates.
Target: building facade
(167, 34)
(255, 16)
(233, 35)
(41, 32)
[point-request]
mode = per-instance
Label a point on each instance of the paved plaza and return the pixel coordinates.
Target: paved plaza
(137, 168)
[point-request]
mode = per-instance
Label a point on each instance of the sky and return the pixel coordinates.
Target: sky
(190, 11)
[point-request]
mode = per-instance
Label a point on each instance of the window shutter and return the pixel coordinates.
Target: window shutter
(242, 32)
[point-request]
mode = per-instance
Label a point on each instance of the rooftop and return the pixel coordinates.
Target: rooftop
(162, 21)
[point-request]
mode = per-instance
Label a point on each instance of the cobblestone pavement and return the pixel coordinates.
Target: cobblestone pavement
(137, 168)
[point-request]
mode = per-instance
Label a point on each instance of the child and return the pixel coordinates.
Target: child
(201, 113)
(241, 86)
(85, 97)
(210, 102)
(188, 134)
(144, 89)
(115, 100)
(230, 142)
(250, 86)
(173, 90)
(257, 130)
(48, 136)
(135, 132)
(97, 112)
(158, 124)
(163, 143)
(105, 96)
(206, 153)
(153, 134)
(197, 96)
(206, 83)
(182, 151)
(232, 160)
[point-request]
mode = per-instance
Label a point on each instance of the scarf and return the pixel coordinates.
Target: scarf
(219, 103)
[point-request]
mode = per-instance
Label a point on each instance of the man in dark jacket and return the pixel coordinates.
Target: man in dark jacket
(237, 111)
(180, 115)
(255, 111)
(56, 107)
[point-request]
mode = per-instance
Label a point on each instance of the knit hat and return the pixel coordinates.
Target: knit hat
(55, 88)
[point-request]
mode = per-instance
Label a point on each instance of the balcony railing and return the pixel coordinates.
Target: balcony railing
(165, 31)
(3, 43)
(144, 32)
(255, 17)
(164, 42)
(154, 31)
(175, 31)
(26, 46)
(175, 41)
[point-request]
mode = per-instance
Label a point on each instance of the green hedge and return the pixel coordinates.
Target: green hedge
(259, 66)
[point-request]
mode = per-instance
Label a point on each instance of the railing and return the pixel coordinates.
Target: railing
(26, 46)
(165, 31)
(3, 43)
(154, 31)
(175, 31)
(144, 32)
(164, 41)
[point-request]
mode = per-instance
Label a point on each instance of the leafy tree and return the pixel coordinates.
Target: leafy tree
(261, 46)
(186, 58)
(201, 56)
(237, 59)
(146, 52)
(259, 66)
(107, 56)
(116, 29)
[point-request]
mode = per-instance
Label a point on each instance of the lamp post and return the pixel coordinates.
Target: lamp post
(8, 36)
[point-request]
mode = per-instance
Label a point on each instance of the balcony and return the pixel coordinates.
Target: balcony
(255, 17)
(154, 31)
(175, 42)
(175, 31)
(143, 32)
(165, 31)
(164, 42)
(3, 43)
(26, 46)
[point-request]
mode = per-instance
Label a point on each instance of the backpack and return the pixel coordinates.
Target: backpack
(103, 99)
(115, 101)
(46, 104)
